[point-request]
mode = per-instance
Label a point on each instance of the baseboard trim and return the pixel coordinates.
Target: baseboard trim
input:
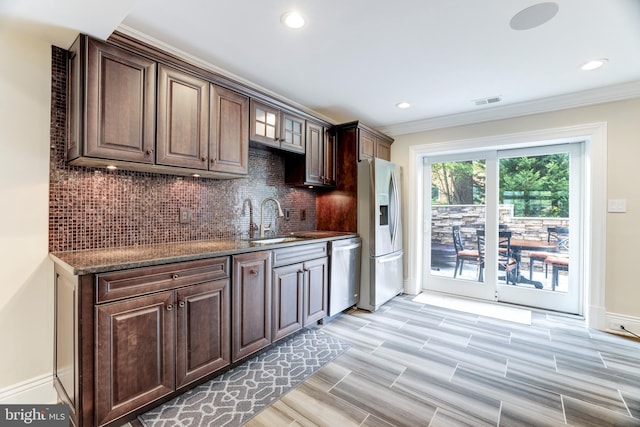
(631, 323)
(37, 390)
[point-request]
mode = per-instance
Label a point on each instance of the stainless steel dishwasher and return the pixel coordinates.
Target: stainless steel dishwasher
(344, 274)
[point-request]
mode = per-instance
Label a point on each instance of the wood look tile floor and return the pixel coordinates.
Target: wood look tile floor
(411, 364)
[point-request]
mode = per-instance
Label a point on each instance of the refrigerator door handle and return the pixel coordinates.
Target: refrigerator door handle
(382, 260)
(396, 214)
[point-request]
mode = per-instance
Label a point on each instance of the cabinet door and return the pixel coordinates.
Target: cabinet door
(288, 288)
(315, 154)
(316, 298)
(292, 133)
(229, 137)
(251, 303)
(383, 150)
(120, 104)
(366, 145)
(203, 327)
(329, 158)
(265, 124)
(134, 359)
(183, 119)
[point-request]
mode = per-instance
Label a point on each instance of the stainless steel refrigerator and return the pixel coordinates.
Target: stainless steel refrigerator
(380, 227)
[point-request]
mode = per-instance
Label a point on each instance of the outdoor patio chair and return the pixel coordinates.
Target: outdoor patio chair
(506, 262)
(462, 254)
(558, 234)
(558, 263)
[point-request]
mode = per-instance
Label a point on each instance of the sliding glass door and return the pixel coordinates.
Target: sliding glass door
(455, 210)
(505, 225)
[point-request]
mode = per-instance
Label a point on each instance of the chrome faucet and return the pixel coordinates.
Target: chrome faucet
(267, 228)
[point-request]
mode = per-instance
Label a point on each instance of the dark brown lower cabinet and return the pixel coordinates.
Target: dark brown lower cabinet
(125, 339)
(134, 354)
(288, 294)
(316, 294)
(300, 288)
(251, 303)
(203, 341)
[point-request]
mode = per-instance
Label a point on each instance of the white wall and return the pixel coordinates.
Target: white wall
(622, 283)
(26, 288)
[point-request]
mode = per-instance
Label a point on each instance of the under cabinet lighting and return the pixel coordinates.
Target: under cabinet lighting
(112, 167)
(292, 20)
(196, 175)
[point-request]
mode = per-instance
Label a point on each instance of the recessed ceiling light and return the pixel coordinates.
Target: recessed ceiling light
(292, 20)
(594, 64)
(534, 16)
(403, 105)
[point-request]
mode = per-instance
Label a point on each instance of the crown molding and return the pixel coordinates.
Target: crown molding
(145, 38)
(619, 92)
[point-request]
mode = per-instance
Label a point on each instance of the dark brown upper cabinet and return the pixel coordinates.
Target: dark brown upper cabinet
(183, 119)
(318, 167)
(119, 101)
(276, 128)
(372, 145)
(136, 107)
(229, 131)
(201, 125)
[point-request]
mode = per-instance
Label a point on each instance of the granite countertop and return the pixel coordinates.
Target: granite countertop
(113, 259)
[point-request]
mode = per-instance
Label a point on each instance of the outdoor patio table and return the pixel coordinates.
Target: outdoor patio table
(518, 245)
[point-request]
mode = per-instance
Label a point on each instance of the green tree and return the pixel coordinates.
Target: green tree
(536, 185)
(460, 183)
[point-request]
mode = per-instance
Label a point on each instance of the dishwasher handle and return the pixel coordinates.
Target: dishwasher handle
(347, 247)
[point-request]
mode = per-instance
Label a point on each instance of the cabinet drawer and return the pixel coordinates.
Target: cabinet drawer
(139, 281)
(293, 254)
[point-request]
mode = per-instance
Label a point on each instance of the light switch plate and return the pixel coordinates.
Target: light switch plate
(617, 205)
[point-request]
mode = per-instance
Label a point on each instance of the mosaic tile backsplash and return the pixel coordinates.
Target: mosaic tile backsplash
(97, 209)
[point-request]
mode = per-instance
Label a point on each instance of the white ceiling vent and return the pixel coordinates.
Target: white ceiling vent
(485, 101)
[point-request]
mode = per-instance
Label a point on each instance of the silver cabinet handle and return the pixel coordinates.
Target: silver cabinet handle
(169, 307)
(175, 276)
(181, 304)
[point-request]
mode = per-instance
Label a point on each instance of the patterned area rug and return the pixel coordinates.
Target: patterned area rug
(236, 396)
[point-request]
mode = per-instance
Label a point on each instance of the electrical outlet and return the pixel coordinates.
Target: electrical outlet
(303, 214)
(287, 214)
(615, 325)
(185, 215)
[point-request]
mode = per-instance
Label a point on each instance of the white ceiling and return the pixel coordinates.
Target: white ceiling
(356, 59)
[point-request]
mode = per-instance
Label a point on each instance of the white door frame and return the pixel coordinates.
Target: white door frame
(595, 191)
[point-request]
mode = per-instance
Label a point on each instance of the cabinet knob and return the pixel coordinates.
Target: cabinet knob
(204, 159)
(175, 276)
(169, 307)
(181, 304)
(253, 272)
(149, 151)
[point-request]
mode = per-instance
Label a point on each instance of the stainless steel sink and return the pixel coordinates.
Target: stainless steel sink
(276, 239)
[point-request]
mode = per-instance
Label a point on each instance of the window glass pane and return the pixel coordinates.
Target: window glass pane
(260, 115)
(534, 204)
(458, 211)
(271, 132)
(271, 119)
(260, 128)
